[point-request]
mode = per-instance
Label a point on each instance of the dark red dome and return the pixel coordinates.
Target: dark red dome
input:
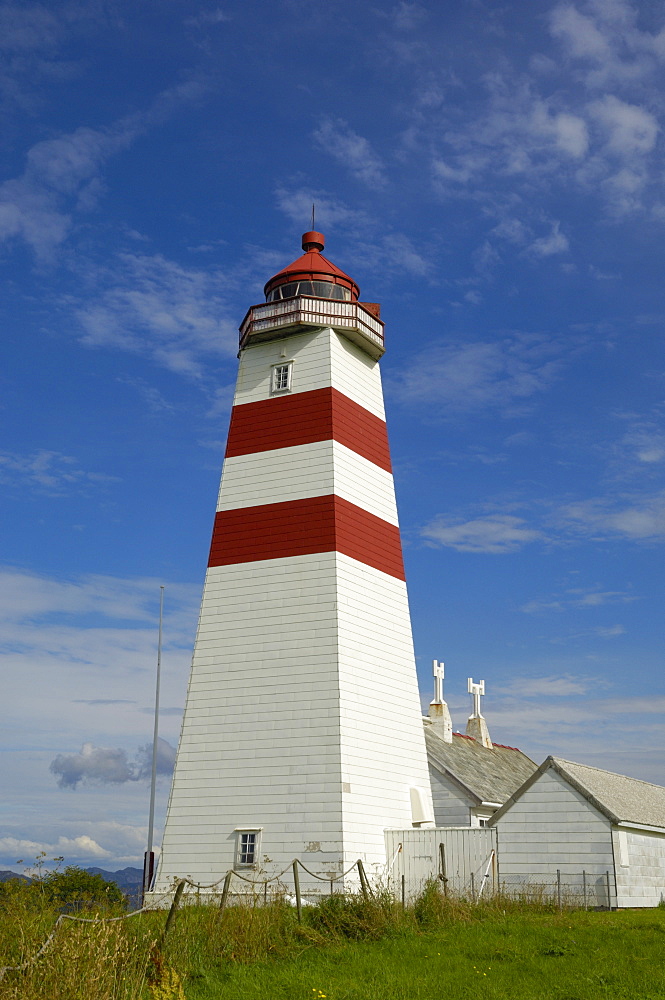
(312, 274)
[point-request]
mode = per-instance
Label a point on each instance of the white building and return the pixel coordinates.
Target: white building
(302, 734)
(586, 824)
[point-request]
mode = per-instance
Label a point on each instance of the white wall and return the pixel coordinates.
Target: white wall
(640, 866)
(551, 826)
(451, 806)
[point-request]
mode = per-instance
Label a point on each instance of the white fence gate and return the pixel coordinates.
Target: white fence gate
(463, 857)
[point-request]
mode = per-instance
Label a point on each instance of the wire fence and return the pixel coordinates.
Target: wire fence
(579, 890)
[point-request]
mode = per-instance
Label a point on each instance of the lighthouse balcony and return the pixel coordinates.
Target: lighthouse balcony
(282, 317)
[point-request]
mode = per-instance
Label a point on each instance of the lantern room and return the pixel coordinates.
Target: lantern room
(312, 274)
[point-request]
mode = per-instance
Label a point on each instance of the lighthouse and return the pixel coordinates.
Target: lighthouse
(302, 735)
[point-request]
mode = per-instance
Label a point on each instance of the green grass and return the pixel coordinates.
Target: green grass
(575, 956)
(343, 950)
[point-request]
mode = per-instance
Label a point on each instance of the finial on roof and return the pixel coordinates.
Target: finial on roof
(438, 710)
(476, 725)
(313, 241)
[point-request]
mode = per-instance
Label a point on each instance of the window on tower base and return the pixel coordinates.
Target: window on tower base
(247, 848)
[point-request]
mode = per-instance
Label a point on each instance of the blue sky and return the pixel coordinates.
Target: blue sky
(493, 175)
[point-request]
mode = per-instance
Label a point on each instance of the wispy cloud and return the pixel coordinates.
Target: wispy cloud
(62, 176)
(376, 248)
(483, 375)
(495, 533)
(577, 598)
(49, 472)
(28, 27)
(553, 686)
(588, 125)
(353, 151)
(150, 305)
(636, 518)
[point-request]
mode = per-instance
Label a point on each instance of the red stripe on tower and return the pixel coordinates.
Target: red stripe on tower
(304, 527)
(306, 417)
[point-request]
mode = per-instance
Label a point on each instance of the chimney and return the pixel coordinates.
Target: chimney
(476, 725)
(438, 710)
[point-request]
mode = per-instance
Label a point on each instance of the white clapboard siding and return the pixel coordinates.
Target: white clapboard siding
(451, 806)
(640, 871)
(553, 827)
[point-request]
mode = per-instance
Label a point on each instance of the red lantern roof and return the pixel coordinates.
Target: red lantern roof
(313, 267)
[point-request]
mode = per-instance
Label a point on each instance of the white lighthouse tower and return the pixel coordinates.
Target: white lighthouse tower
(302, 735)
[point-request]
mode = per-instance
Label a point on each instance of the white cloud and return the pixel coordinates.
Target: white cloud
(26, 597)
(545, 246)
(594, 130)
(466, 377)
(636, 518)
(111, 765)
(81, 846)
(206, 17)
(48, 472)
(579, 33)
(553, 686)
(629, 130)
(155, 306)
(578, 598)
(353, 151)
(62, 176)
(28, 27)
(495, 533)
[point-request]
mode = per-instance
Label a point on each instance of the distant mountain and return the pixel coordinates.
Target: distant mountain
(126, 878)
(130, 880)
(7, 876)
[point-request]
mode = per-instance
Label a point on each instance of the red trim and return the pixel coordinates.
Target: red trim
(303, 527)
(304, 417)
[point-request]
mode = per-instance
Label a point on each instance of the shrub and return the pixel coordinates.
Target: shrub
(74, 885)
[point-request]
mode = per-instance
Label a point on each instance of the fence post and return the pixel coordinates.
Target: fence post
(558, 888)
(174, 906)
(473, 888)
(364, 884)
(296, 883)
(265, 892)
(332, 887)
(609, 898)
(584, 888)
(442, 866)
(225, 894)
(403, 892)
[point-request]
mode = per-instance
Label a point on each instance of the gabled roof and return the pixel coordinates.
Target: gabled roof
(486, 775)
(619, 798)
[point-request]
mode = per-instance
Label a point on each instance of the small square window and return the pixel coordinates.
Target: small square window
(247, 848)
(281, 377)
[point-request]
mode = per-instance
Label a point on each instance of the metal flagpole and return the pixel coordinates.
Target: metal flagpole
(149, 859)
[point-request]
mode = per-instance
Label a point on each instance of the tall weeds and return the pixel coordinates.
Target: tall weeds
(120, 960)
